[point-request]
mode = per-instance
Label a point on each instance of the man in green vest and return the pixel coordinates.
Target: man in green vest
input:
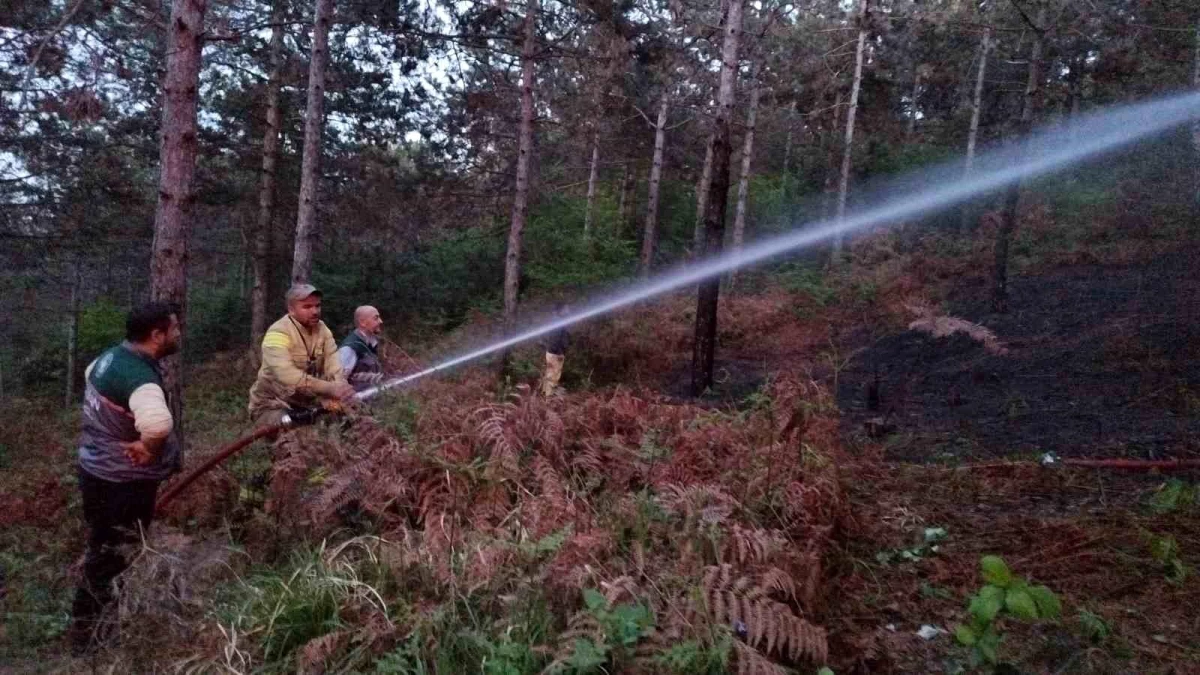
(127, 446)
(359, 353)
(300, 367)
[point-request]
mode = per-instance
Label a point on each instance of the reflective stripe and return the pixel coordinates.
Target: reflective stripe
(276, 340)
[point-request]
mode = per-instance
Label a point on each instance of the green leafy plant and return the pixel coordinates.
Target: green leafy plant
(404, 659)
(1003, 595)
(928, 546)
(693, 657)
(1174, 495)
(1165, 551)
(807, 280)
(613, 635)
(624, 624)
(401, 417)
(1094, 626)
(550, 543)
(929, 591)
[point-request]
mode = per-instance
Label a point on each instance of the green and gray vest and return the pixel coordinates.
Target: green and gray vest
(108, 421)
(366, 360)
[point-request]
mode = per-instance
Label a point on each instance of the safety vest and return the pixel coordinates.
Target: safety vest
(108, 421)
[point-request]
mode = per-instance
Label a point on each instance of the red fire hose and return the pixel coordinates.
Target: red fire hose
(1124, 464)
(1134, 464)
(222, 454)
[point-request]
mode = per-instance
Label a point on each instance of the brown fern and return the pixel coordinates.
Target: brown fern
(314, 655)
(940, 326)
(582, 625)
(751, 544)
(699, 502)
(339, 490)
(769, 624)
(590, 460)
(493, 430)
(553, 488)
(750, 661)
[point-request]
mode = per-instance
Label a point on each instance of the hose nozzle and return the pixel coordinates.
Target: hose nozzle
(299, 417)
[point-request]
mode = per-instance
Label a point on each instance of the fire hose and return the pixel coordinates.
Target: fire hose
(291, 420)
(295, 417)
(302, 417)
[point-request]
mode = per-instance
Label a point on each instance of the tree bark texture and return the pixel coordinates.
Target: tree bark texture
(314, 125)
(968, 209)
(1012, 200)
(660, 139)
(176, 195)
(628, 178)
(512, 259)
(828, 195)
(594, 169)
(911, 129)
(977, 100)
(704, 343)
(739, 217)
(848, 146)
(702, 201)
(73, 335)
(785, 184)
(260, 260)
(1196, 125)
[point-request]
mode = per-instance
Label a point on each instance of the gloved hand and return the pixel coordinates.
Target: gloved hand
(304, 416)
(371, 379)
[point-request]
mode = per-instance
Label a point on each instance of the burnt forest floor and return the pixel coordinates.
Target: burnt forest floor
(1102, 360)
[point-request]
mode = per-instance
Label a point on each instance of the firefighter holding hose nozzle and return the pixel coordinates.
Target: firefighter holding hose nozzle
(300, 368)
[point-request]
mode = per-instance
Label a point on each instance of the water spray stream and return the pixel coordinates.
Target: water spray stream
(888, 204)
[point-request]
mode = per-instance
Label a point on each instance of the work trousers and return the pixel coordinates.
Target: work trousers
(117, 516)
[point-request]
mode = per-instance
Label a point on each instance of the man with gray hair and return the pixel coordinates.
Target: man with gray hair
(359, 353)
(300, 368)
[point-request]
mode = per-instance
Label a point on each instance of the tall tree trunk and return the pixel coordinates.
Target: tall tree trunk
(591, 190)
(702, 201)
(912, 117)
(260, 261)
(177, 166)
(512, 259)
(314, 124)
(1196, 125)
(848, 147)
(704, 343)
(628, 177)
(985, 46)
(785, 184)
(1074, 94)
(660, 139)
(967, 209)
(1012, 200)
(827, 191)
(73, 334)
(739, 217)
